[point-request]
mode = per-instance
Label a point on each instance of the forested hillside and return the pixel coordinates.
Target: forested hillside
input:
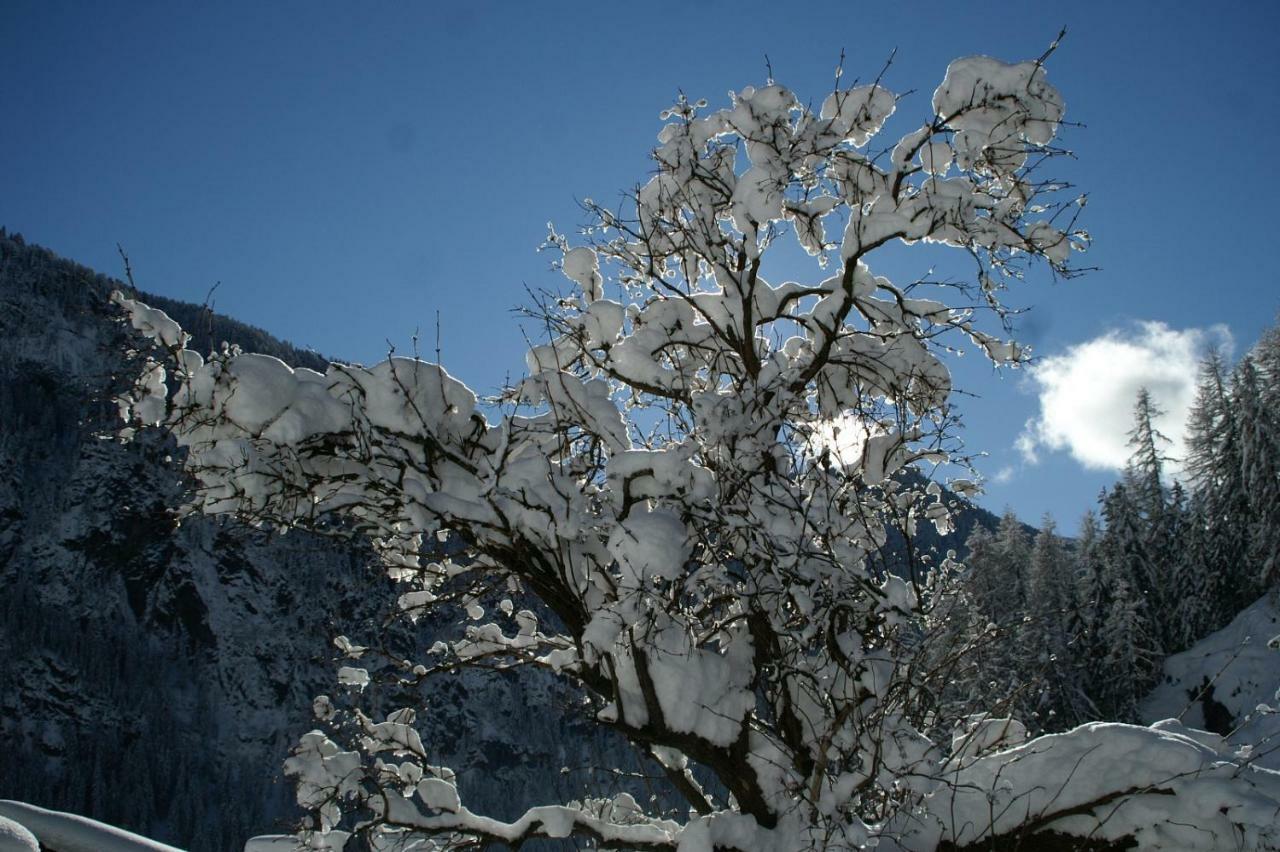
(1064, 631)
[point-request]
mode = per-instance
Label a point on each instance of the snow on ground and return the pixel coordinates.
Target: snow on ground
(1166, 787)
(1242, 665)
(61, 832)
(273, 843)
(15, 837)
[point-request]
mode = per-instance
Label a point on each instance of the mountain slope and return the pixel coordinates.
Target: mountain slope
(156, 674)
(1229, 682)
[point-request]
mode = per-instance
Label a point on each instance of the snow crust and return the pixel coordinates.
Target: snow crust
(15, 837)
(274, 843)
(71, 833)
(1161, 786)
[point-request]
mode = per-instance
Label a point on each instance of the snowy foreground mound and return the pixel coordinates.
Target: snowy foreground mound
(1163, 787)
(1229, 682)
(21, 825)
(1166, 786)
(15, 837)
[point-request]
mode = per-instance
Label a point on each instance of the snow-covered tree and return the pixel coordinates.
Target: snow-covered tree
(1090, 595)
(1014, 616)
(1266, 359)
(1128, 670)
(973, 629)
(1006, 676)
(1000, 569)
(1193, 600)
(1263, 445)
(676, 510)
(1145, 471)
(1260, 474)
(1147, 496)
(1132, 658)
(1220, 506)
(1053, 636)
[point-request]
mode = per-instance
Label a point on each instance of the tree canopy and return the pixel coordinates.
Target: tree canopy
(678, 510)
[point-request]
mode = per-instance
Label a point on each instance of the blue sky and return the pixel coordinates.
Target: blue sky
(347, 170)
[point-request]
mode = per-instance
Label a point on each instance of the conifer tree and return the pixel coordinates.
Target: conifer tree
(1008, 573)
(1154, 552)
(1266, 356)
(1052, 628)
(960, 638)
(1259, 477)
(1124, 552)
(1010, 680)
(1266, 359)
(977, 583)
(1128, 671)
(1146, 465)
(1199, 611)
(1132, 658)
(1091, 595)
(1191, 604)
(1215, 466)
(1210, 424)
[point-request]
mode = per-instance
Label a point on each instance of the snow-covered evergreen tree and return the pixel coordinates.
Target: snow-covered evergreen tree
(1145, 470)
(1132, 658)
(1194, 594)
(1091, 596)
(998, 569)
(1220, 508)
(981, 614)
(1266, 359)
(1260, 475)
(959, 643)
(1053, 638)
(1128, 670)
(1155, 552)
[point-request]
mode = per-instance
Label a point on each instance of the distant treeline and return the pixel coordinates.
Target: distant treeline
(1057, 632)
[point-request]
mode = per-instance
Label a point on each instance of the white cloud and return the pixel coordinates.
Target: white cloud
(1087, 393)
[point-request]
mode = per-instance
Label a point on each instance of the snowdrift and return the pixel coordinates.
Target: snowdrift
(1229, 682)
(59, 832)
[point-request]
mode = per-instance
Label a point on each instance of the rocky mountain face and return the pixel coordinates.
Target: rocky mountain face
(154, 675)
